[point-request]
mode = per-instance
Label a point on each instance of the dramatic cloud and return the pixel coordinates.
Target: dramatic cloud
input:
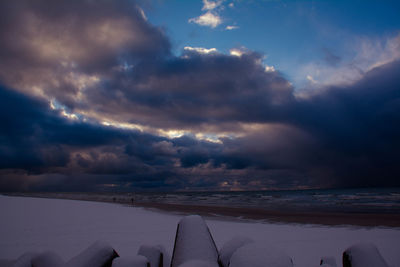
(207, 92)
(49, 48)
(42, 150)
(358, 128)
(93, 99)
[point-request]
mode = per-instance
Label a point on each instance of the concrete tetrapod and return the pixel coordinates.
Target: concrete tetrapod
(363, 255)
(194, 243)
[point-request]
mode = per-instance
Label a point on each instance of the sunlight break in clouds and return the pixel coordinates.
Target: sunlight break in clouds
(201, 50)
(269, 68)
(237, 52)
(369, 53)
(208, 19)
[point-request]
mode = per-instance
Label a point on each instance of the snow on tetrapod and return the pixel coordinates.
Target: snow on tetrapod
(100, 254)
(193, 241)
(230, 247)
(363, 255)
(260, 255)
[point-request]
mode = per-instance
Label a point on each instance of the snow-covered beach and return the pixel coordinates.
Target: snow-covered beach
(69, 226)
(361, 207)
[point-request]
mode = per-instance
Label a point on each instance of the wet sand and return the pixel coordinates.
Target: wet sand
(240, 213)
(328, 218)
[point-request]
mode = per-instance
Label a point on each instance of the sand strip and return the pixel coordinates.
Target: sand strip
(324, 218)
(232, 213)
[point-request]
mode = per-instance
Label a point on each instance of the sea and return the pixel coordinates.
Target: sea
(363, 200)
(355, 200)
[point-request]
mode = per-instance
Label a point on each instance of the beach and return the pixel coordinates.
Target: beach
(69, 226)
(356, 219)
(301, 212)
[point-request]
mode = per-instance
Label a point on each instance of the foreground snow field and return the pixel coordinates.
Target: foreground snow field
(67, 227)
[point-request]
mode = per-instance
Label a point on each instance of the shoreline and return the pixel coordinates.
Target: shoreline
(320, 218)
(243, 213)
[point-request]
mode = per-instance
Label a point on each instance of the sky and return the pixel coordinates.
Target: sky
(155, 95)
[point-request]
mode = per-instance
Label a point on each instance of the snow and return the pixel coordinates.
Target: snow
(136, 261)
(6, 263)
(25, 260)
(198, 263)
(99, 254)
(68, 227)
(193, 242)
(47, 259)
(260, 255)
(363, 255)
(155, 254)
(328, 261)
(230, 247)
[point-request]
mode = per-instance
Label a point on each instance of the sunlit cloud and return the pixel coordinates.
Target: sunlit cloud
(210, 5)
(311, 79)
(171, 133)
(269, 68)
(54, 105)
(212, 16)
(231, 27)
(232, 186)
(378, 52)
(208, 19)
(142, 13)
(123, 125)
(70, 116)
(237, 52)
(369, 53)
(201, 50)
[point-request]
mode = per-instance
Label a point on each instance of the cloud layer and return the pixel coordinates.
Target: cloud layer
(93, 99)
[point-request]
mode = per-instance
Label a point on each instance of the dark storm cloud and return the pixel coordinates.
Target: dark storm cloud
(33, 135)
(347, 136)
(36, 140)
(88, 33)
(339, 136)
(195, 91)
(42, 150)
(47, 46)
(357, 128)
(104, 60)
